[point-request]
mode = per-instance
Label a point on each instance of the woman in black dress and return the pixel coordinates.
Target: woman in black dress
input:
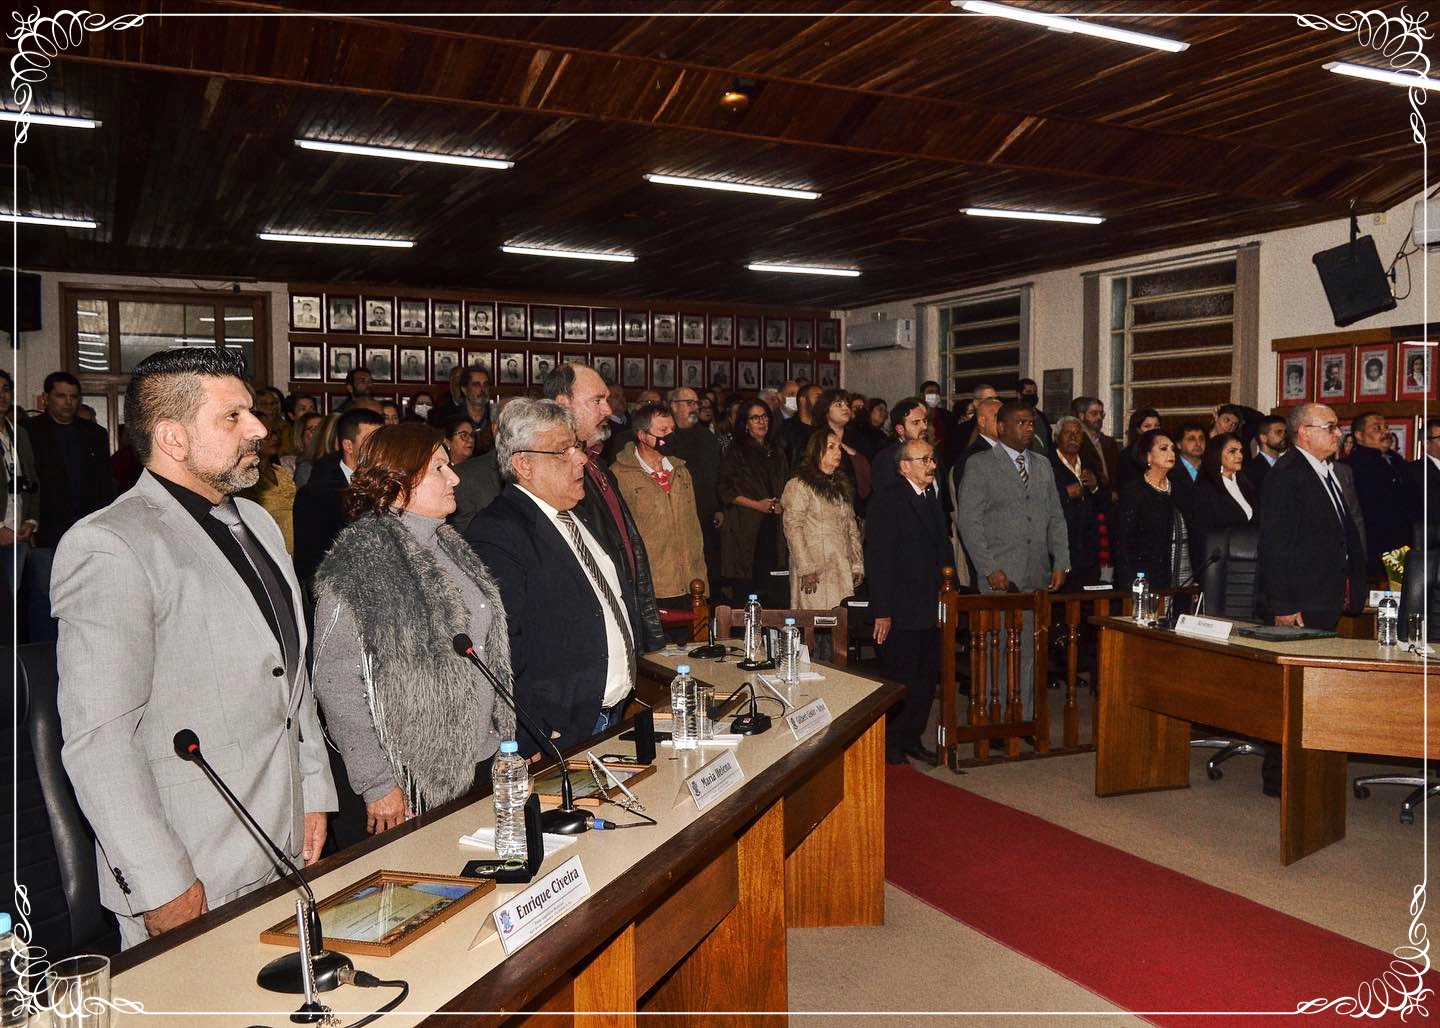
(1223, 495)
(1150, 534)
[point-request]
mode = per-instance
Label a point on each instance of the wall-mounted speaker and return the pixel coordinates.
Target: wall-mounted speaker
(1355, 283)
(27, 302)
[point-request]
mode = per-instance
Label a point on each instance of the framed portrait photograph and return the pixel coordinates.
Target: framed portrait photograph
(305, 311)
(663, 329)
(514, 321)
(1417, 371)
(541, 364)
(1401, 429)
(605, 325)
(380, 315)
(482, 359)
(414, 317)
(605, 365)
(802, 371)
(747, 376)
(447, 317)
(802, 333)
(1374, 373)
(443, 362)
(1334, 375)
(342, 361)
(575, 324)
(692, 374)
(692, 329)
(342, 313)
(381, 362)
(1295, 378)
(479, 319)
(511, 366)
(827, 334)
(637, 326)
(772, 374)
(662, 372)
(544, 322)
(305, 364)
(414, 364)
(632, 372)
(747, 333)
(722, 373)
(777, 333)
(827, 375)
(722, 330)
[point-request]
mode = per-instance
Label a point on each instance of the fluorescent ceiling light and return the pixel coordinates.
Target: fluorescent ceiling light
(233, 317)
(733, 187)
(395, 154)
(295, 237)
(995, 212)
(61, 120)
(32, 219)
(579, 255)
(1070, 24)
(800, 269)
(1394, 78)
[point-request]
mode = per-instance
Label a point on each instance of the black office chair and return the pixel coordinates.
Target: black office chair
(1227, 587)
(1420, 595)
(56, 846)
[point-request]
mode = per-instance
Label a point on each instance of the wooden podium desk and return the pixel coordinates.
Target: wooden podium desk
(1320, 699)
(689, 915)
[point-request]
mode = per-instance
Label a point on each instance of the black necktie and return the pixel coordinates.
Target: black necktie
(1338, 500)
(275, 589)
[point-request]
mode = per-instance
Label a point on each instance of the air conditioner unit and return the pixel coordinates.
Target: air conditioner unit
(1422, 235)
(887, 334)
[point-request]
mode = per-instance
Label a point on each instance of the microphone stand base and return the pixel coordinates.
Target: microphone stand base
(564, 822)
(756, 665)
(284, 973)
(708, 652)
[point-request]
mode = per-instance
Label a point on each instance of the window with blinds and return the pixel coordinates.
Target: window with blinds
(982, 345)
(1173, 339)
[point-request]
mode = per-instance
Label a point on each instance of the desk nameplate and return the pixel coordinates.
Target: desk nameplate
(714, 780)
(541, 905)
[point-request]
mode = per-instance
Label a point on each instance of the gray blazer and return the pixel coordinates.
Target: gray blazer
(24, 467)
(1007, 524)
(158, 632)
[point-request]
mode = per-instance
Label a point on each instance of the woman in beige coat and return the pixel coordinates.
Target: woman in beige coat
(826, 558)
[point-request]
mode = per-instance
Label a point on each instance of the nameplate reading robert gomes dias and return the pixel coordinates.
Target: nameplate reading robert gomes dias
(714, 779)
(541, 905)
(809, 719)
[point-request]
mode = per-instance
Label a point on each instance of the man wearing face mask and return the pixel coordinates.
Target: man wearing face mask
(944, 431)
(796, 432)
(660, 492)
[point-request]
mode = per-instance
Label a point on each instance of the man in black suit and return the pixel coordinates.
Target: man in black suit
(909, 421)
(1425, 475)
(318, 513)
(1190, 443)
(906, 546)
(1029, 394)
(571, 610)
(1384, 488)
(1271, 438)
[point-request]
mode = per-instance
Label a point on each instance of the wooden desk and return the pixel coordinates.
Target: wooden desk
(1320, 699)
(690, 915)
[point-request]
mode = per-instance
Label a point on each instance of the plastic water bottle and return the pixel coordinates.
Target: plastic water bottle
(1389, 619)
(683, 734)
(510, 778)
(753, 644)
(1142, 602)
(790, 653)
(12, 974)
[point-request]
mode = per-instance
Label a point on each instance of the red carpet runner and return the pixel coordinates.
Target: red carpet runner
(1144, 937)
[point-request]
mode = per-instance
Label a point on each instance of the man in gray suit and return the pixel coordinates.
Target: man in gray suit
(178, 608)
(1012, 525)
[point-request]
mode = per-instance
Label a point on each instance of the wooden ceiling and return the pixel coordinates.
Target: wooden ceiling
(899, 121)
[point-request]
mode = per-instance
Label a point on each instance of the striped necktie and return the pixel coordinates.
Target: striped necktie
(1024, 471)
(587, 560)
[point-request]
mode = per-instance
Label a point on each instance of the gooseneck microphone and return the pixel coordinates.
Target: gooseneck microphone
(1173, 616)
(567, 819)
(287, 973)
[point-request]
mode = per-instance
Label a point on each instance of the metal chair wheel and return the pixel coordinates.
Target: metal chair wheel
(1362, 793)
(1214, 773)
(1407, 817)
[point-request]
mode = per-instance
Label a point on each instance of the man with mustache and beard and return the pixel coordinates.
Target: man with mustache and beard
(178, 608)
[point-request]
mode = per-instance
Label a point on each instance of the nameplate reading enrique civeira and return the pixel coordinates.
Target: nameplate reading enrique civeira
(714, 779)
(541, 905)
(809, 719)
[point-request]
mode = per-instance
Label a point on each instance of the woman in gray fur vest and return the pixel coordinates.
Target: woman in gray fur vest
(411, 719)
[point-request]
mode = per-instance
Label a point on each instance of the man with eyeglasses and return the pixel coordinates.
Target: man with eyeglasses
(1384, 488)
(1425, 475)
(699, 448)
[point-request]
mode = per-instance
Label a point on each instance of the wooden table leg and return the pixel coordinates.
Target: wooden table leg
(1312, 785)
(607, 983)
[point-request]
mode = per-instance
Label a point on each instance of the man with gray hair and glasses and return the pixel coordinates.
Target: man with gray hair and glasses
(573, 615)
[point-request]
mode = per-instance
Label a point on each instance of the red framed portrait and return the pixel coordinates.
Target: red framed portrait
(1417, 371)
(1374, 374)
(1332, 375)
(1295, 373)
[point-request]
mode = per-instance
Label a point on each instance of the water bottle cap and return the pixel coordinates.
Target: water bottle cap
(789, 621)
(683, 669)
(5, 924)
(754, 596)
(1140, 574)
(509, 746)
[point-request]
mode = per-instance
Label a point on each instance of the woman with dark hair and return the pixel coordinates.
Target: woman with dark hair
(1132, 458)
(418, 407)
(1150, 534)
(459, 438)
(269, 407)
(875, 426)
(752, 476)
(827, 560)
(832, 411)
(1223, 495)
(414, 723)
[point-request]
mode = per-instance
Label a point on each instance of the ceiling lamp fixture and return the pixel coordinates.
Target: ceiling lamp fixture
(1079, 26)
(1393, 78)
(1070, 219)
(35, 219)
(576, 255)
(58, 120)
(424, 156)
(801, 269)
(732, 187)
(297, 237)
(737, 98)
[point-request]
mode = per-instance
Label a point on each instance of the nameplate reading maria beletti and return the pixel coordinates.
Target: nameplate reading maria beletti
(541, 905)
(714, 779)
(809, 719)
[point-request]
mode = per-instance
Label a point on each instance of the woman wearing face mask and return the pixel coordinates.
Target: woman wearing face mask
(421, 404)
(943, 429)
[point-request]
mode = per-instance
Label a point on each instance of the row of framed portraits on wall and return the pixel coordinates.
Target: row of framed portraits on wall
(534, 322)
(1377, 373)
(328, 361)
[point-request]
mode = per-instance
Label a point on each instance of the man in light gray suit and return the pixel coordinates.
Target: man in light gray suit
(178, 608)
(1012, 525)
